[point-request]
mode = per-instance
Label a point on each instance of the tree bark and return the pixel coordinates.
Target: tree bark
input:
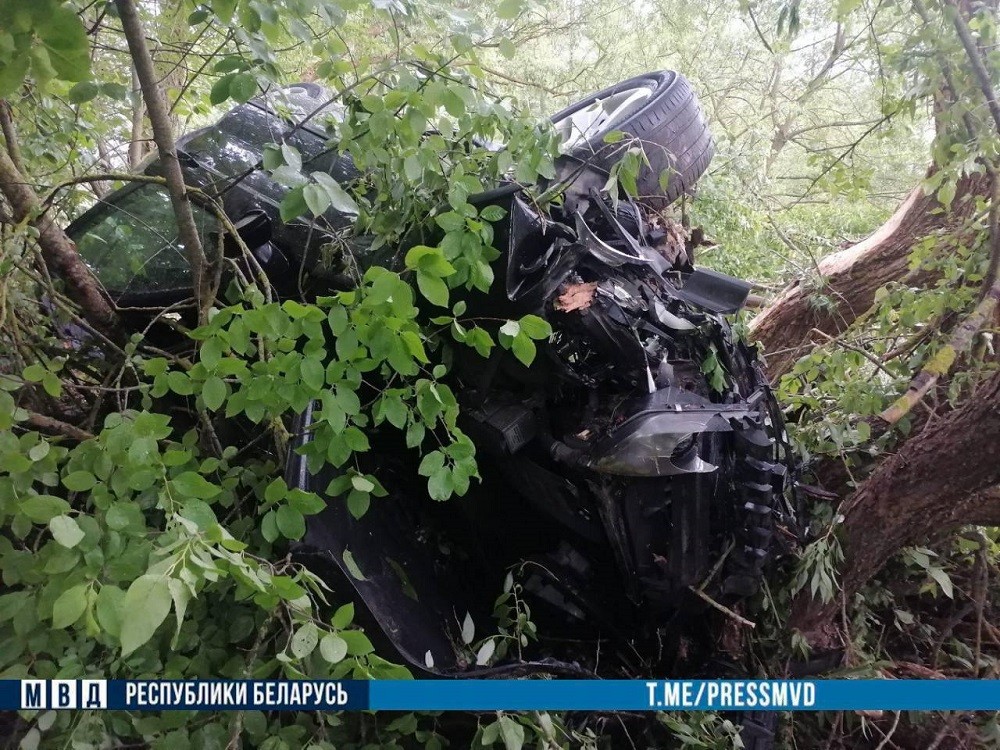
(58, 250)
(136, 143)
(163, 135)
(935, 482)
(851, 278)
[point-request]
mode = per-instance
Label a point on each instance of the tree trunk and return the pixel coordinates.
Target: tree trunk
(851, 277)
(938, 480)
(163, 135)
(58, 250)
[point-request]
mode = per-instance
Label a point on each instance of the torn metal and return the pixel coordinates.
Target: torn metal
(640, 455)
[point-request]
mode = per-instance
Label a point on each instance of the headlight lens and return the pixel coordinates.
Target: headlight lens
(660, 445)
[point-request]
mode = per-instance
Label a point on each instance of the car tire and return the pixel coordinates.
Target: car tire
(669, 125)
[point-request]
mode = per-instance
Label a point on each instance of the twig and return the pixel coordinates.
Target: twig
(976, 61)
(945, 731)
(50, 424)
(721, 607)
(892, 730)
(10, 135)
(867, 355)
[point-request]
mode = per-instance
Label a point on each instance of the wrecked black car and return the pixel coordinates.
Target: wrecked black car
(635, 475)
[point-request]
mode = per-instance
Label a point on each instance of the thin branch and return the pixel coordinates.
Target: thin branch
(964, 335)
(722, 608)
(57, 248)
(976, 61)
(888, 735)
(10, 135)
(760, 33)
(57, 426)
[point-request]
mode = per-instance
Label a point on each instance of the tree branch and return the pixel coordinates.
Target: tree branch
(10, 135)
(976, 61)
(159, 118)
(58, 250)
(57, 426)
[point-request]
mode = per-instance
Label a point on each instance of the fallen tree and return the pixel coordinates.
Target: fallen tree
(943, 475)
(846, 282)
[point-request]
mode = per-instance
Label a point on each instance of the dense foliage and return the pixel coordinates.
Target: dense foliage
(144, 536)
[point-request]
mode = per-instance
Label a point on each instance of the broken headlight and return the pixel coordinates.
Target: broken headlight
(658, 444)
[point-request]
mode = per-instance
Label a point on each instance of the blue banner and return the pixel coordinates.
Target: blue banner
(507, 695)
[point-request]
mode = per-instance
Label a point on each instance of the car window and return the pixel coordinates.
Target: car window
(132, 243)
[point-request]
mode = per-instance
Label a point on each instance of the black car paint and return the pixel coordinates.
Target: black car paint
(605, 551)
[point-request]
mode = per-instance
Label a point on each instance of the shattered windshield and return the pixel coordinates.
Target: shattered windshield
(133, 245)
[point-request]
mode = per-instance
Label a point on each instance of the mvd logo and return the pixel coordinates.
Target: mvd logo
(64, 694)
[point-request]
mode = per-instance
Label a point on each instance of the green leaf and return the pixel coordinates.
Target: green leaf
(357, 642)
(65, 41)
(451, 221)
(52, 384)
(524, 349)
(34, 373)
(192, 484)
(275, 491)
(199, 513)
(512, 733)
(306, 503)
(214, 392)
(485, 653)
(108, 608)
(352, 565)
(291, 156)
(220, 89)
(493, 213)
(358, 503)
(147, 604)
(316, 198)
(83, 92)
(181, 595)
(943, 580)
(343, 617)
(333, 648)
(507, 48)
(509, 9)
(13, 71)
(39, 451)
(535, 327)
(304, 640)
(395, 411)
(433, 289)
(66, 531)
(269, 526)
(43, 508)
(491, 733)
(361, 483)
(313, 373)
(243, 87)
(79, 481)
(339, 198)
(468, 629)
(224, 10)
(293, 205)
(291, 523)
(511, 328)
(412, 168)
(69, 606)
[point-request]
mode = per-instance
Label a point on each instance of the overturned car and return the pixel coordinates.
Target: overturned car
(636, 473)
